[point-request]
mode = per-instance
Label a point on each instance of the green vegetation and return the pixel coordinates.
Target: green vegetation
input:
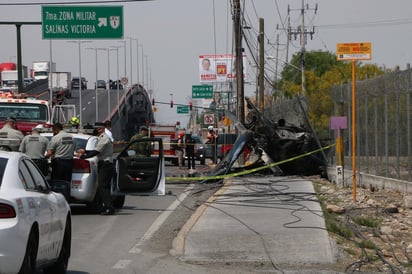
(322, 72)
(368, 222)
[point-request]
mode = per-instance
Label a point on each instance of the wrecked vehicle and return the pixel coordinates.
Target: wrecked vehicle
(286, 148)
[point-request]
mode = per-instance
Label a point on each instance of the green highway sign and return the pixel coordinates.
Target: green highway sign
(182, 109)
(202, 91)
(82, 22)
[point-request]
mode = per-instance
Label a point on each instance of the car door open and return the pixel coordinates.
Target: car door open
(141, 175)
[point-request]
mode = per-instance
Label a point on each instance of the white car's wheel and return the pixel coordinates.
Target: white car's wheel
(29, 262)
(60, 266)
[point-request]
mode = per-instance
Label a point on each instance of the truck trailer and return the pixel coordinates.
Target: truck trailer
(41, 69)
(60, 82)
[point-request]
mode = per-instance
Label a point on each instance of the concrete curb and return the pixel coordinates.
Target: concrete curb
(178, 245)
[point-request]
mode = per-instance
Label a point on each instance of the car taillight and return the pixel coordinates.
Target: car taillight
(7, 211)
(81, 166)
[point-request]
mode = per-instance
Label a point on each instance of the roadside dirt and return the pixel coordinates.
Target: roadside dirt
(373, 233)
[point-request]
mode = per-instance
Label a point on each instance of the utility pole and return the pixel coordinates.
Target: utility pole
(261, 63)
(239, 62)
(303, 32)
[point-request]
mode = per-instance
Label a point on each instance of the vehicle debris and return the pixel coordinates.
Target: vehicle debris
(295, 148)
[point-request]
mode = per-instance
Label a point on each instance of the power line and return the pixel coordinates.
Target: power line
(69, 2)
(392, 22)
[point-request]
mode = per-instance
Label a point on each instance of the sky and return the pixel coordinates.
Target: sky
(173, 33)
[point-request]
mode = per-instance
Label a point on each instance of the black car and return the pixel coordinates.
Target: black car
(75, 83)
(114, 84)
(100, 84)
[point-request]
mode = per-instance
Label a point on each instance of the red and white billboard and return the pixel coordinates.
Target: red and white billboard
(218, 68)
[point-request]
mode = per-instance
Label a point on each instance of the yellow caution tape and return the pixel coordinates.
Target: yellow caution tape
(248, 171)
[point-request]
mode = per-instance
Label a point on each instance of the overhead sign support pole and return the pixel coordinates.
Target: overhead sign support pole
(354, 128)
(352, 52)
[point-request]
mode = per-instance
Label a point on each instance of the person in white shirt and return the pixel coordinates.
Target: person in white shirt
(108, 127)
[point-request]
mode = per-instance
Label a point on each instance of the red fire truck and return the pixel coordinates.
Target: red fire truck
(168, 133)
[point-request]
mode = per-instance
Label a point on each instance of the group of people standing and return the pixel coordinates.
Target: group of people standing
(60, 151)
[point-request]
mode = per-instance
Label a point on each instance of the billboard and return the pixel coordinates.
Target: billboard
(219, 68)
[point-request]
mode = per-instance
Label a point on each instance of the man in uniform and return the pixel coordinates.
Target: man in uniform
(105, 167)
(61, 149)
(9, 131)
(35, 146)
(142, 149)
(190, 151)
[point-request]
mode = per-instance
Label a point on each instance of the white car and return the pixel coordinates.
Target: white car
(35, 222)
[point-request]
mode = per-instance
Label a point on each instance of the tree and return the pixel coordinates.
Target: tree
(322, 72)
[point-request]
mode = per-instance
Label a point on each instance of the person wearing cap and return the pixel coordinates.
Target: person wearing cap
(142, 149)
(61, 150)
(105, 168)
(35, 146)
(9, 131)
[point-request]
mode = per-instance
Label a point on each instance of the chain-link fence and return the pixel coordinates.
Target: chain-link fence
(383, 124)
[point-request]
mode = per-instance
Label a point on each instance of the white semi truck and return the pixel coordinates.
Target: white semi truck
(61, 81)
(41, 69)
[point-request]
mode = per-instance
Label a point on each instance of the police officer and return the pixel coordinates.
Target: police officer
(142, 148)
(190, 151)
(35, 146)
(61, 150)
(9, 131)
(105, 168)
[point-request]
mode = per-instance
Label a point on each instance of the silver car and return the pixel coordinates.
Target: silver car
(84, 178)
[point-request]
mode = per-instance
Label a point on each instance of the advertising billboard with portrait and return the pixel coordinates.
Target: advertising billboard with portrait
(219, 68)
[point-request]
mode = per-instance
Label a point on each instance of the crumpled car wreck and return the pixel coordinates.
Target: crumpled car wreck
(286, 148)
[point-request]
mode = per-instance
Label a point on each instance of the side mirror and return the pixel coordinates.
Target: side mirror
(61, 186)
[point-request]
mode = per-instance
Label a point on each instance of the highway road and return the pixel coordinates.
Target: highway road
(138, 238)
(105, 103)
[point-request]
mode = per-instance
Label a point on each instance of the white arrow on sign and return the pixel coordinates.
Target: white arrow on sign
(102, 22)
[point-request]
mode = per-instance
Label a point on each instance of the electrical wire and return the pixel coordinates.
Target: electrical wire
(69, 2)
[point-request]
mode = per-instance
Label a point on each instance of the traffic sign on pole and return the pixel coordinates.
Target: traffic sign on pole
(202, 91)
(82, 22)
(354, 51)
(182, 109)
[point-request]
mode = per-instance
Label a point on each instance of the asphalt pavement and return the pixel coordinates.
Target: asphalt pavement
(275, 221)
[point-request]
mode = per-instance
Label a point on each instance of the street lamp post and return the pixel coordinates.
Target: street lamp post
(125, 58)
(80, 79)
(95, 83)
(108, 83)
(117, 81)
(142, 68)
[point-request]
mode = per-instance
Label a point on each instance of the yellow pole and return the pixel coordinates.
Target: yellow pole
(354, 130)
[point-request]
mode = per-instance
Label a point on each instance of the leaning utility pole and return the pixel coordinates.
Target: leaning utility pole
(240, 92)
(261, 42)
(302, 32)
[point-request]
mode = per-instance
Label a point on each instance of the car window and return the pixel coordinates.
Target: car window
(31, 176)
(25, 177)
(3, 163)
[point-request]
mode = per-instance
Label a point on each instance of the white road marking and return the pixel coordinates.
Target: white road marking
(122, 264)
(160, 220)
